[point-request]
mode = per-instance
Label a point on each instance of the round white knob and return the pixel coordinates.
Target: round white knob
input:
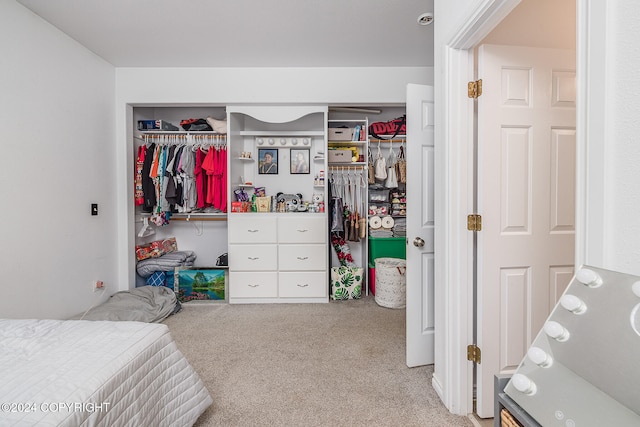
(636, 289)
(283, 141)
(589, 277)
(573, 304)
(294, 141)
(271, 141)
(260, 141)
(523, 384)
(305, 141)
(556, 331)
(540, 357)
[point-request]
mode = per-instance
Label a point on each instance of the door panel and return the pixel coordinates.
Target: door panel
(420, 225)
(526, 196)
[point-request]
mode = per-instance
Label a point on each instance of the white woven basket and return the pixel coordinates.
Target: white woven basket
(391, 282)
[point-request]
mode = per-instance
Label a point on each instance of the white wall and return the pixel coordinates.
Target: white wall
(56, 137)
(227, 86)
(620, 180)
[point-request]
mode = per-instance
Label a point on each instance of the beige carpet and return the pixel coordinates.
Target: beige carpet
(336, 364)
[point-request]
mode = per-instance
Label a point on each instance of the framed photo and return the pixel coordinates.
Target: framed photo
(199, 283)
(299, 160)
(267, 161)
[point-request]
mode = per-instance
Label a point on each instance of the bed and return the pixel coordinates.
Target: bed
(95, 373)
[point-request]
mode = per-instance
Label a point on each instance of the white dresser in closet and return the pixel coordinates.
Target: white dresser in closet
(278, 257)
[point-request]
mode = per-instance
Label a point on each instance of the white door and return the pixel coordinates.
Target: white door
(420, 225)
(526, 196)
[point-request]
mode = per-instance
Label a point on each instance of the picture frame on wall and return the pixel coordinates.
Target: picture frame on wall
(299, 161)
(267, 161)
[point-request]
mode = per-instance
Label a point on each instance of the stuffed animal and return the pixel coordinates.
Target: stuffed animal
(317, 198)
(292, 201)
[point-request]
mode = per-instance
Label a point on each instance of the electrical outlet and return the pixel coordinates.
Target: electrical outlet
(98, 285)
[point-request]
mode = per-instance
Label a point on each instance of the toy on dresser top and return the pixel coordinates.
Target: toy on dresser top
(289, 202)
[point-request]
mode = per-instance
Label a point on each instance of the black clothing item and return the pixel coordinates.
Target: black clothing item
(148, 188)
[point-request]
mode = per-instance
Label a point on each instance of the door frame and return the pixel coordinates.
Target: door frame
(453, 377)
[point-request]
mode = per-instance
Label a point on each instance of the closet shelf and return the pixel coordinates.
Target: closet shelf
(281, 133)
(180, 132)
(194, 216)
(341, 143)
(398, 138)
(355, 165)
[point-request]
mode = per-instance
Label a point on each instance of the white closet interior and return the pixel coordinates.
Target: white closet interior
(207, 234)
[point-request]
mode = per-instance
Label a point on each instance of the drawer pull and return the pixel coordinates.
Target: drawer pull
(253, 258)
(253, 286)
(304, 230)
(253, 231)
(304, 285)
(302, 258)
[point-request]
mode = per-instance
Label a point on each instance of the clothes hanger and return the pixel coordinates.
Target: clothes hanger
(146, 229)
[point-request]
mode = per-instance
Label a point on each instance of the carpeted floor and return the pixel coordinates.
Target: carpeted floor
(336, 364)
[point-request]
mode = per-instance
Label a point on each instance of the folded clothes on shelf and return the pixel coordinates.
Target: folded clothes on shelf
(167, 262)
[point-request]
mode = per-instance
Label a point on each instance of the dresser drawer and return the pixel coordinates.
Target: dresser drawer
(298, 229)
(302, 257)
(303, 285)
(253, 257)
(247, 228)
(253, 284)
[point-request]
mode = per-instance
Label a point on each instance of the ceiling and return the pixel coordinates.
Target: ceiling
(246, 33)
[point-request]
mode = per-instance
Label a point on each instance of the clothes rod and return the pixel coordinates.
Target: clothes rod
(387, 140)
(190, 217)
(184, 136)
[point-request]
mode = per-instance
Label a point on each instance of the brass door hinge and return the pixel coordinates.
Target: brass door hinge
(474, 89)
(473, 353)
(474, 222)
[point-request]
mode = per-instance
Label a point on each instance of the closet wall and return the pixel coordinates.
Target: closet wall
(204, 87)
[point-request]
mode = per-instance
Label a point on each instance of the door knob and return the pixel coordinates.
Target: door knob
(418, 242)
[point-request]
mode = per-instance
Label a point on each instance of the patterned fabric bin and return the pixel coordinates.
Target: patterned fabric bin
(346, 282)
(391, 282)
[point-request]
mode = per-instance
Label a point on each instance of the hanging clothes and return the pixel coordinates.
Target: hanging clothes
(139, 194)
(201, 182)
(147, 181)
(178, 175)
(222, 179)
(209, 167)
(186, 169)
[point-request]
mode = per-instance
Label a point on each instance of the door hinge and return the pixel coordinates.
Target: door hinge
(473, 353)
(474, 89)
(474, 222)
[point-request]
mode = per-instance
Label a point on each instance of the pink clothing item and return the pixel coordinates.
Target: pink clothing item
(201, 182)
(223, 180)
(209, 165)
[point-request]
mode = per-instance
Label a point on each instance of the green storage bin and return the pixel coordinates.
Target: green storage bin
(387, 247)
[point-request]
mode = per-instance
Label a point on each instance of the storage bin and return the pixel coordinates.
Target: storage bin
(378, 195)
(391, 286)
(340, 156)
(507, 419)
(340, 134)
(392, 247)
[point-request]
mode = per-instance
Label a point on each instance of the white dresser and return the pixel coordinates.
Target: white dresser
(278, 257)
